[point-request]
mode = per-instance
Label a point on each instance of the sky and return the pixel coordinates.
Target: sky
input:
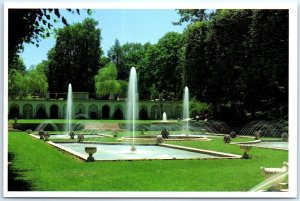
(126, 25)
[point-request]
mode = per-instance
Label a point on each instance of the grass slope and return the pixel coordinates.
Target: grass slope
(48, 169)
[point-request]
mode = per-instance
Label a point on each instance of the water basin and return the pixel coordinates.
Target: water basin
(144, 152)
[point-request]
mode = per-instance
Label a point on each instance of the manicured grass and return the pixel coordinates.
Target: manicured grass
(62, 121)
(48, 169)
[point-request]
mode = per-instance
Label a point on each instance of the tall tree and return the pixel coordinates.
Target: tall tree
(169, 69)
(266, 77)
(115, 55)
(196, 58)
(75, 57)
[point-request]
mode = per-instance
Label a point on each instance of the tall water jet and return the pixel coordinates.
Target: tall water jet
(132, 103)
(164, 117)
(69, 109)
(186, 115)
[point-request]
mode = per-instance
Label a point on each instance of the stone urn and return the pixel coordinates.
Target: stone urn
(245, 149)
(46, 136)
(90, 151)
(227, 139)
(41, 134)
(72, 134)
(159, 139)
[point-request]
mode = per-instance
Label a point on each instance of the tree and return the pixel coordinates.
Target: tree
(148, 72)
(75, 57)
(36, 81)
(115, 55)
(196, 58)
(30, 26)
(229, 36)
(16, 84)
(168, 66)
(32, 82)
(106, 81)
(238, 61)
(17, 64)
(191, 15)
(266, 76)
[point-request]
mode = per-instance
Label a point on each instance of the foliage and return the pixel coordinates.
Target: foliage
(197, 108)
(115, 55)
(191, 15)
(17, 63)
(106, 81)
(168, 70)
(30, 26)
(75, 57)
(228, 61)
(15, 83)
(33, 81)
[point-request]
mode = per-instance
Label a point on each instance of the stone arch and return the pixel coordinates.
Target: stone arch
(64, 111)
(118, 114)
(105, 112)
(178, 111)
(40, 111)
(27, 111)
(155, 112)
(143, 114)
(93, 111)
(54, 112)
(14, 111)
(167, 110)
(80, 111)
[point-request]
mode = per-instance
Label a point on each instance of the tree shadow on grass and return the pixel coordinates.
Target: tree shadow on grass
(15, 181)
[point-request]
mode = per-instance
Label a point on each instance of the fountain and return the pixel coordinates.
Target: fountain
(69, 110)
(156, 149)
(132, 100)
(186, 110)
(164, 117)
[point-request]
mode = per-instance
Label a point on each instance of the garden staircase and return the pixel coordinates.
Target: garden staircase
(103, 126)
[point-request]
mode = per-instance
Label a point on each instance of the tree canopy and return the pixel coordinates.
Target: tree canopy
(75, 57)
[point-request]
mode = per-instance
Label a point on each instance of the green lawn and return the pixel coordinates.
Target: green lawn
(48, 169)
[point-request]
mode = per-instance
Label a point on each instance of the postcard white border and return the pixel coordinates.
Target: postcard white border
(171, 4)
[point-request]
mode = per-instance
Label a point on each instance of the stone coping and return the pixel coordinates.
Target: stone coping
(248, 142)
(214, 153)
(166, 139)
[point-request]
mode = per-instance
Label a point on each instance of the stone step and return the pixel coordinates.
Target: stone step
(103, 126)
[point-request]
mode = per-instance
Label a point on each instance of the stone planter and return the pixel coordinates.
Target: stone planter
(227, 139)
(41, 134)
(46, 136)
(159, 139)
(245, 149)
(72, 134)
(90, 151)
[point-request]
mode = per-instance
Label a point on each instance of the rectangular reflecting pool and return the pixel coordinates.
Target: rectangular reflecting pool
(143, 152)
(273, 145)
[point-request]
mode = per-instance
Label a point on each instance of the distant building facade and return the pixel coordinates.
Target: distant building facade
(90, 109)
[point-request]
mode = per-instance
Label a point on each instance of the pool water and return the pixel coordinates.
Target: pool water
(273, 145)
(122, 152)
